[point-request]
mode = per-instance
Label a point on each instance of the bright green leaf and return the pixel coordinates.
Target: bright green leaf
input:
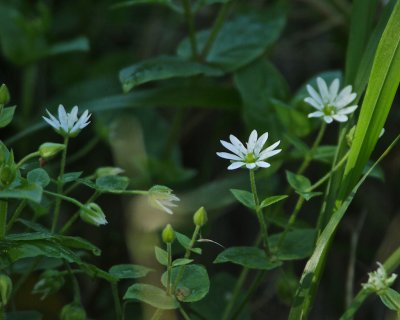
(181, 262)
(184, 241)
(271, 200)
(391, 299)
(151, 295)
(244, 197)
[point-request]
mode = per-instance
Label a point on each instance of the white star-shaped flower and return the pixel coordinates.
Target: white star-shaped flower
(68, 124)
(161, 197)
(378, 280)
(251, 156)
(329, 102)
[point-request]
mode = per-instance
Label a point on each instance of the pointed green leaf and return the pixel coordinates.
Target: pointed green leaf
(6, 116)
(107, 183)
(181, 262)
(151, 295)
(391, 299)
(298, 182)
(161, 256)
(184, 241)
(244, 197)
(271, 200)
(129, 271)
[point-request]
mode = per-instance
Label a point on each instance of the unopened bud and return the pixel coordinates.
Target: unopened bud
(350, 136)
(7, 174)
(48, 150)
(200, 217)
(168, 234)
(4, 95)
(73, 311)
(5, 289)
(108, 171)
(50, 282)
(93, 214)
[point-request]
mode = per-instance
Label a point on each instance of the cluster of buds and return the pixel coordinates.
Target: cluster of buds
(378, 280)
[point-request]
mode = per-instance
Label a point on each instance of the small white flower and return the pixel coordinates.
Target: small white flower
(68, 124)
(378, 280)
(330, 103)
(253, 155)
(161, 197)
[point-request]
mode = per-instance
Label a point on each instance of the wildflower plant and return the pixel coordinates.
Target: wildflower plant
(291, 181)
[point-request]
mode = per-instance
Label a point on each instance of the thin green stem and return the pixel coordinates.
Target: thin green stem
(60, 185)
(260, 216)
(183, 313)
(16, 214)
(190, 23)
(218, 23)
(117, 301)
(315, 145)
(3, 218)
(60, 196)
(27, 157)
(169, 268)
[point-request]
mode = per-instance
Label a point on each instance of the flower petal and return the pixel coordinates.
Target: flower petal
(340, 117)
(347, 110)
(328, 119)
(232, 148)
(260, 143)
(268, 153)
(273, 146)
(228, 156)
(236, 142)
(63, 118)
(316, 114)
(314, 103)
(262, 164)
(334, 89)
(236, 165)
(323, 89)
(53, 124)
(252, 141)
(314, 94)
(251, 165)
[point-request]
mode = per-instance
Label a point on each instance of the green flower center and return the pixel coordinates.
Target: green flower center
(250, 158)
(329, 110)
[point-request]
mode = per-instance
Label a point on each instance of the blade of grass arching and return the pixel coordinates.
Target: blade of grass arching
(391, 264)
(362, 14)
(312, 273)
(382, 86)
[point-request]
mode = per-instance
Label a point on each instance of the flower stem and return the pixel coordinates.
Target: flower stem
(218, 23)
(27, 157)
(315, 145)
(16, 214)
(169, 268)
(192, 33)
(260, 216)
(117, 302)
(60, 185)
(60, 196)
(3, 218)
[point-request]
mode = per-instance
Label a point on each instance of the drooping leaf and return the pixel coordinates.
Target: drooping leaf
(151, 295)
(249, 257)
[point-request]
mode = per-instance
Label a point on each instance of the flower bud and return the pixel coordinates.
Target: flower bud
(379, 280)
(350, 136)
(93, 214)
(168, 234)
(161, 197)
(50, 282)
(73, 311)
(48, 150)
(200, 217)
(7, 174)
(4, 95)
(108, 171)
(5, 289)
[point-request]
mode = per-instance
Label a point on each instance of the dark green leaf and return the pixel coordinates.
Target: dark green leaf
(71, 176)
(249, 257)
(163, 67)
(80, 44)
(151, 295)
(129, 271)
(181, 262)
(244, 197)
(185, 242)
(298, 244)
(107, 183)
(6, 116)
(161, 256)
(298, 182)
(309, 195)
(271, 200)
(38, 176)
(78, 243)
(26, 190)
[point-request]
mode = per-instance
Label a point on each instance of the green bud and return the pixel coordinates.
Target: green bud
(200, 217)
(168, 234)
(50, 282)
(93, 214)
(350, 136)
(7, 174)
(4, 95)
(48, 150)
(2, 154)
(5, 289)
(108, 171)
(73, 311)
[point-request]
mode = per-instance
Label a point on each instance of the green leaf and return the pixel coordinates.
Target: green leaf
(24, 315)
(38, 176)
(79, 44)
(271, 200)
(78, 243)
(249, 257)
(298, 182)
(297, 245)
(241, 40)
(129, 271)
(26, 190)
(184, 241)
(383, 83)
(244, 197)
(6, 116)
(151, 295)
(181, 262)
(161, 256)
(71, 176)
(325, 154)
(107, 183)
(391, 299)
(194, 284)
(309, 195)
(161, 68)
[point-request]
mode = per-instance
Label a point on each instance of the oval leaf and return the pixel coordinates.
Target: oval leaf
(129, 271)
(151, 295)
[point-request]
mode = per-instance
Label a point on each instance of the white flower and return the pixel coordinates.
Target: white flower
(253, 156)
(378, 280)
(330, 103)
(161, 197)
(68, 124)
